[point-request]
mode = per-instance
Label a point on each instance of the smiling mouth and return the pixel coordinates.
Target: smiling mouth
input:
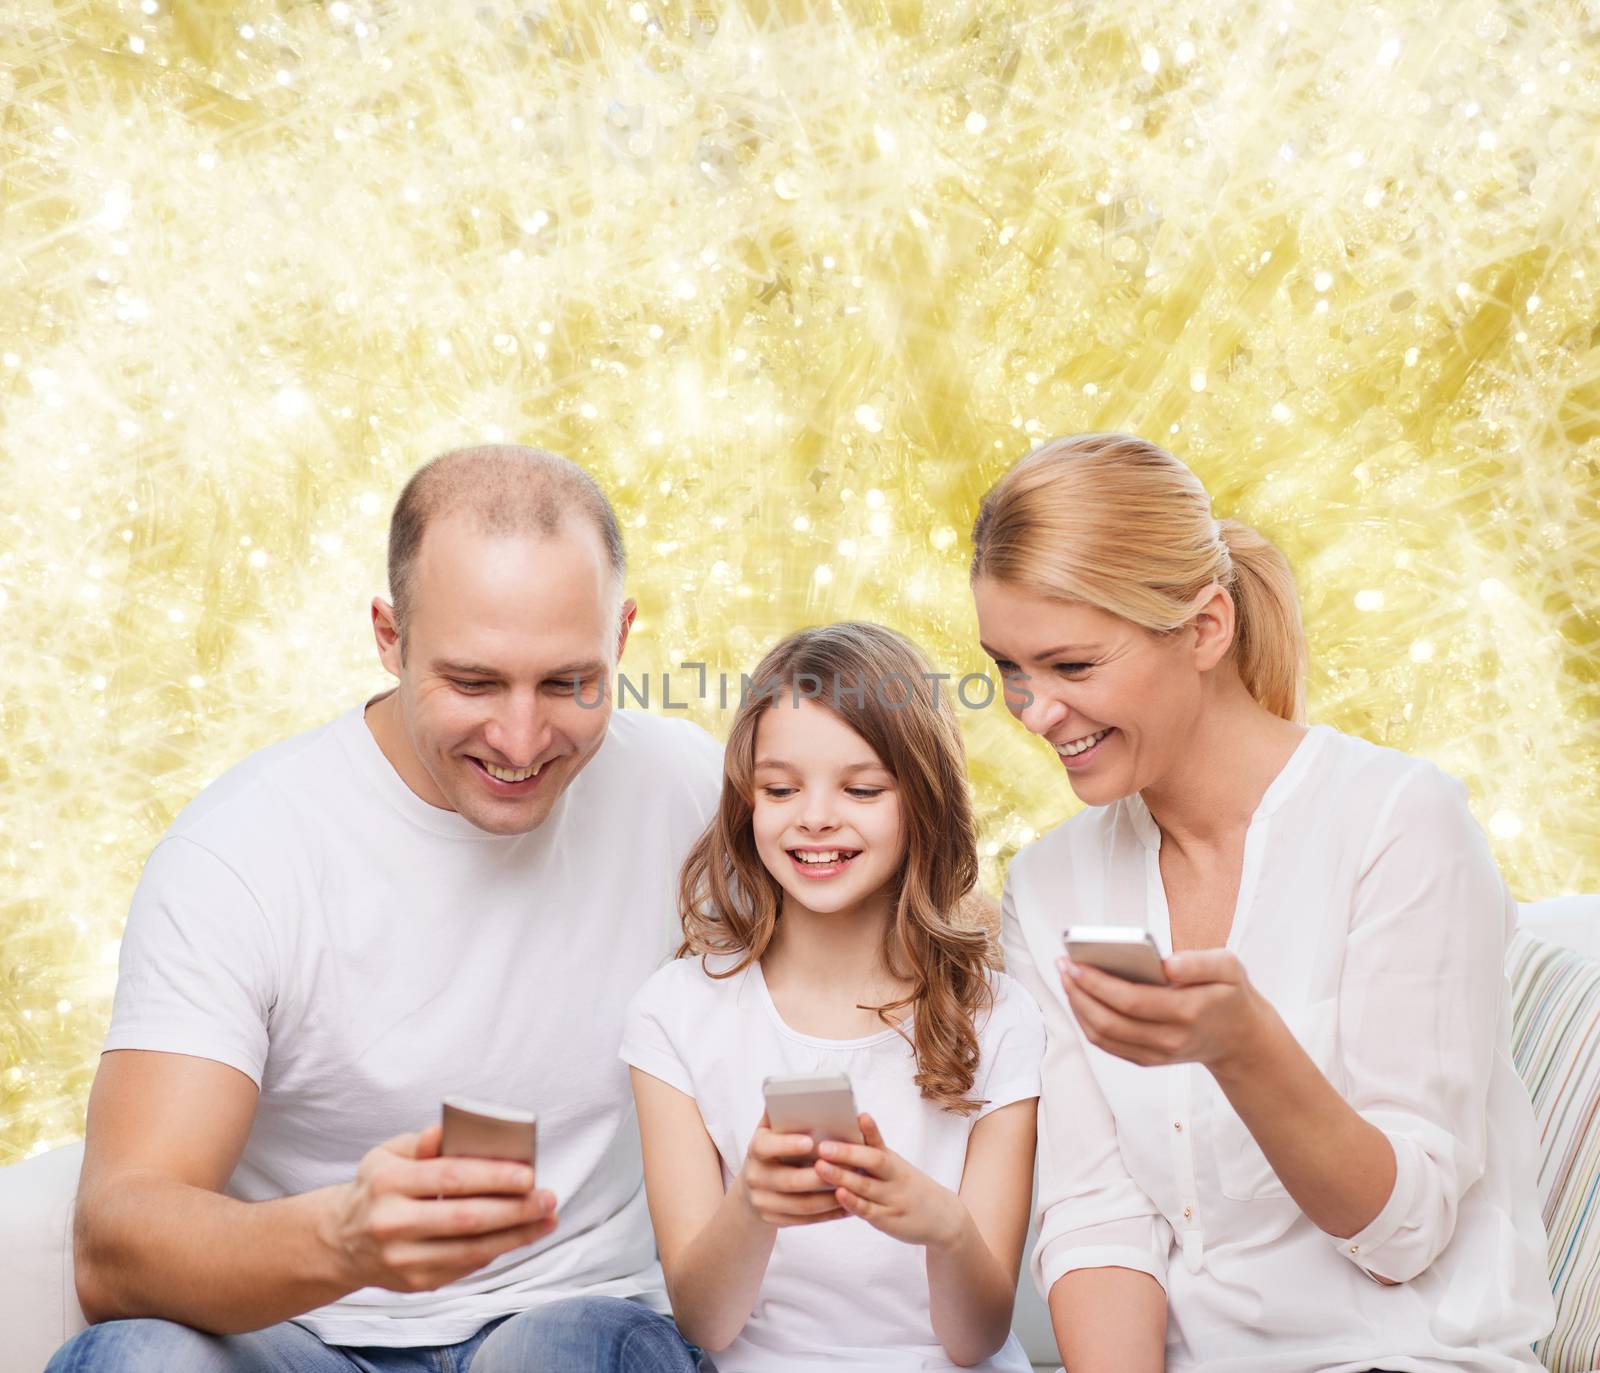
(822, 862)
(509, 781)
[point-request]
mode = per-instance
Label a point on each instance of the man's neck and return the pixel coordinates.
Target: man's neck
(388, 731)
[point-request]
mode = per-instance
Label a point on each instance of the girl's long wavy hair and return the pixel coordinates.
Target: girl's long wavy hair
(873, 680)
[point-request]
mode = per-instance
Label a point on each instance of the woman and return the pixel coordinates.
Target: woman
(1310, 1150)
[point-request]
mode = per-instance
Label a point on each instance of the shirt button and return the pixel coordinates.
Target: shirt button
(1355, 1248)
(1177, 1125)
(1188, 1213)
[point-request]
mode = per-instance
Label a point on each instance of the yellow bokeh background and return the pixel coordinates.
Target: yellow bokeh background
(796, 281)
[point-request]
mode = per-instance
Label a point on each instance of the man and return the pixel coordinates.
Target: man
(451, 890)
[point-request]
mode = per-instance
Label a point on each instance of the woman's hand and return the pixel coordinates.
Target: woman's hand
(873, 1182)
(780, 1191)
(1209, 1014)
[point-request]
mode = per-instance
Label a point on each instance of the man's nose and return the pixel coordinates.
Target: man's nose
(518, 736)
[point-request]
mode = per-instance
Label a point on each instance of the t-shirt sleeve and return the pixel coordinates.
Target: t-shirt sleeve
(196, 972)
(1012, 1046)
(652, 1025)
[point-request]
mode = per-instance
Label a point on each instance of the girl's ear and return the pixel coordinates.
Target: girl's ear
(1214, 623)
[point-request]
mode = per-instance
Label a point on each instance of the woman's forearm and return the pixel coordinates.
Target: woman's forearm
(969, 1295)
(1109, 1320)
(1339, 1168)
(713, 1281)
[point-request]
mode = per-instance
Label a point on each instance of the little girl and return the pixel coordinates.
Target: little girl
(817, 915)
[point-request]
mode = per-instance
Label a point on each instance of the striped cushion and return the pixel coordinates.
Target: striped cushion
(1556, 1045)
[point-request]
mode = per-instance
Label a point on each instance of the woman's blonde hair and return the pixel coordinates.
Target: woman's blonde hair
(1113, 521)
(878, 684)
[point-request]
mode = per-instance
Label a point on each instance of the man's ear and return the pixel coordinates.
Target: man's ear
(387, 634)
(630, 608)
(1214, 623)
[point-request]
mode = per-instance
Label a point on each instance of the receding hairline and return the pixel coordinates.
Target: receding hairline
(503, 489)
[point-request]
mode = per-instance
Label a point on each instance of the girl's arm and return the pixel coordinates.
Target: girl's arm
(973, 1239)
(714, 1244)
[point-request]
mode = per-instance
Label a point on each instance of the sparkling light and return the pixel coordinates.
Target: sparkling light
(797, 282)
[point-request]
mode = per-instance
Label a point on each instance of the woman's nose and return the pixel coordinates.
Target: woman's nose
(1042, 714)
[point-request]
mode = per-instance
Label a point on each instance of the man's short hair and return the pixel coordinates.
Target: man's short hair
(504, 489)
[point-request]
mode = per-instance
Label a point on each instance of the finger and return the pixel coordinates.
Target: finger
(784, 1178)
(788, 1204)
(858, 1183)
(454, 1176)
(1104, 1025)
(861, 1157)
(771, 1147)
(858, 1206)
(1130, 998)
(460, 1218)
(450, 1258)
(1195, 966)
(870, 1132)
(786, 1222)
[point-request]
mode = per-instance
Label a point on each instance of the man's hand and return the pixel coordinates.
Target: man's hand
(1209, 1013)
(780, 1191)
(412, 1221)
(875, 1183)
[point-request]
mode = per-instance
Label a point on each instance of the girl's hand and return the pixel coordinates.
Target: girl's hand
(1209, 1013)
(872, 1182)
(779, 1191)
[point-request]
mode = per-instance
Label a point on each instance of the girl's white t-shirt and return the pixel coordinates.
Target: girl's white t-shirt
(840, 1293)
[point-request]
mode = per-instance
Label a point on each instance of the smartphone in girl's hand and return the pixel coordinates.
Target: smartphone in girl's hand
(821, 1105)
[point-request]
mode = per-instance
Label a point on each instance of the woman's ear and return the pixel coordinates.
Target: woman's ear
(1214, 625)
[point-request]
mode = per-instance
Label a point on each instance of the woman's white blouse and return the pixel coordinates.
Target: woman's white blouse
(1372, 916)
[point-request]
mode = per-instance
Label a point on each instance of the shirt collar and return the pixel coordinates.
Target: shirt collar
(1278, 790)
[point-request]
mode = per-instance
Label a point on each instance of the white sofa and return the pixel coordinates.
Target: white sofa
(38, 1301)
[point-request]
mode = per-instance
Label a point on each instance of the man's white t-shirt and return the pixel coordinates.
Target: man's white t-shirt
(839, 1294)
(359, 954)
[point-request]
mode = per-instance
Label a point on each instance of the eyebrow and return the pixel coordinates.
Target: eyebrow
(1089, 649)
(790, 767)
(477, 670)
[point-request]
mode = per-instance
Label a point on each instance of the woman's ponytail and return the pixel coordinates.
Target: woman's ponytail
(1269, 639)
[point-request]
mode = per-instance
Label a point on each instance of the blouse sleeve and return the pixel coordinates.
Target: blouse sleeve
(1420, 1013)
(1090, 1212)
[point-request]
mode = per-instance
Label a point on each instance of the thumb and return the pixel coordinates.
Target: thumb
(426, 1144)
(870, 1133)
(1195, 966)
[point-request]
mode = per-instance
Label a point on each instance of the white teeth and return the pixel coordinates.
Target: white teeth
(1078, 746)
(507, 774)
(830, 856)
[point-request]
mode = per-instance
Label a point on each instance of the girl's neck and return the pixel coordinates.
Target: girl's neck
(821, 966)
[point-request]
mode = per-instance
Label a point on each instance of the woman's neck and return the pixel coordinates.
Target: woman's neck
(822, 966)
(1230, 758)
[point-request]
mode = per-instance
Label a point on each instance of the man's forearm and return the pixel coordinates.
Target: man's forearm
(147, 1245)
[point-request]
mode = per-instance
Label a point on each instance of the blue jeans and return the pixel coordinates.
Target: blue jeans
(577, 1335)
